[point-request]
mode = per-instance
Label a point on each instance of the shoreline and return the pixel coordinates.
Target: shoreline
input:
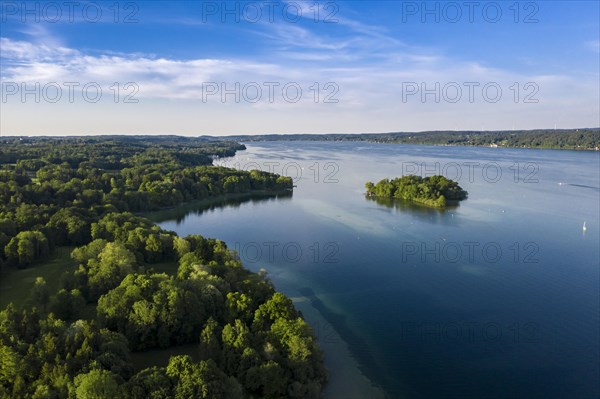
(586, 149)
(346, 379)
(178, 211)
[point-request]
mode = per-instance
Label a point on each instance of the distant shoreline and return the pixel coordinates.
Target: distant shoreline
(576, 139)
(585, 139)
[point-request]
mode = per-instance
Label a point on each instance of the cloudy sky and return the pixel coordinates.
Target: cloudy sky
(203, 67)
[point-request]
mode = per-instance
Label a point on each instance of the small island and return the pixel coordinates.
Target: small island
(435, 191)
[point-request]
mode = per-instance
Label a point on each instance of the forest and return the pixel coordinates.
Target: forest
(433, 191)
(565, 139)
(76, 340)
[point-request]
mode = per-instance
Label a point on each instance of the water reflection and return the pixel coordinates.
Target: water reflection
(180, 213)
(420, 211)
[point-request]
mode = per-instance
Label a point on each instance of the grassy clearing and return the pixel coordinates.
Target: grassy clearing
(160, 357)
(168, 267)
(16, 284)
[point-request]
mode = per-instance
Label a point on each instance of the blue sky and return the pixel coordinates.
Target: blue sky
(347, 66)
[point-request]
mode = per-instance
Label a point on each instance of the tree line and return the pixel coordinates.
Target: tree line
(561, 139)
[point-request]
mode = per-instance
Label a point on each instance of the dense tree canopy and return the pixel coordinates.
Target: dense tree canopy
(54, 191)
(435, 191)
(75, 341)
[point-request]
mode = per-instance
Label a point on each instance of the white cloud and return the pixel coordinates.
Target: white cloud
(28, 51)
(370, 73)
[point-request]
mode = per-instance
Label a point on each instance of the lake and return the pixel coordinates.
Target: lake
(496, 298)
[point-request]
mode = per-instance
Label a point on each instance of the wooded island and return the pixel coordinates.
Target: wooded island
(435, 191)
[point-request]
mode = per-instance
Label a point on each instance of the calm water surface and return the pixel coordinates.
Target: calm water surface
(498, 297)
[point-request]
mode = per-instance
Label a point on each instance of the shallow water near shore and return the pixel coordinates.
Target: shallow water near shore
(497, 297)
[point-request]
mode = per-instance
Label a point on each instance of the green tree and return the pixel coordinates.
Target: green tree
(181, 246)
(210, 342)
(114, 262)
(98, 384)
(40, 293)
(151, 383)
(68, 305)
(26, 247)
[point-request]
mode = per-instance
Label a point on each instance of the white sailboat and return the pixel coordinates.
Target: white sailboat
(584, 227)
